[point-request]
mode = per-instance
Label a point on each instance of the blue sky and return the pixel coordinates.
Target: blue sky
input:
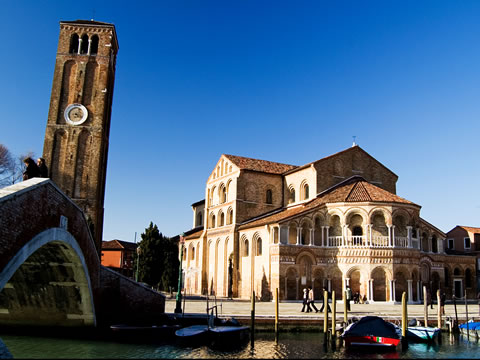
(285, 81)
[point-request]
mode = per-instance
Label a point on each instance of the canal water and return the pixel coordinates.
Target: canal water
(288, 346)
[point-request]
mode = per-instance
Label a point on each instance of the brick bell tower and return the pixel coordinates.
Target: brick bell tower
(78, 125)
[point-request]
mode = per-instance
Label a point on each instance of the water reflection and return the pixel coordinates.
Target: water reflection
(287, 346)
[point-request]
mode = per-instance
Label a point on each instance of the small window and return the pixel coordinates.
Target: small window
(229, 216)
(84, 45)
(94, 45)
(74, 44)
(467, 242)
(222, 219)
(450, 243)
(269, 199)
(468, 278)
(199, 219)
(291, 198)
(212, 224)
(245, 248)
(259, 247)
(306, 191)
(192, 254)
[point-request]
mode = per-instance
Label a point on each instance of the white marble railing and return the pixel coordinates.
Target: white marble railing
(365, 242)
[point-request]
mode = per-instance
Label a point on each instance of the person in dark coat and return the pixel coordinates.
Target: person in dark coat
(442, 303)
(31, 169)
(42, 167)
(323, 300)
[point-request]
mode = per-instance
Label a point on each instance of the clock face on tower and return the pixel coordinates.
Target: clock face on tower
(75, 114)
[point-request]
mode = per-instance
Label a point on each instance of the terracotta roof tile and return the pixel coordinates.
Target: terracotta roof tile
(118, 245)
(194, 235)
(265, 166)
(354, 189)
(474, 230)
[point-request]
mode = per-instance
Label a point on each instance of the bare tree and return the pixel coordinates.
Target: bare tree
(6, 165)
(11, 168)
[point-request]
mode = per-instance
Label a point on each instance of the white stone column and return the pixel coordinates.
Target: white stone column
(328, 235)
(344, 235)
(312, 237)
(370, 290)
(323, 237)
(409, 236)
(389, 235)
(410, 291)
(79, 46)
(393, 235)
(370, 234)
(288, 234)
(392, 290)
(299, 235)
(89, 46)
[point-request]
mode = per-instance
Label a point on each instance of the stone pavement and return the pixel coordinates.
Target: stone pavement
(242, 309)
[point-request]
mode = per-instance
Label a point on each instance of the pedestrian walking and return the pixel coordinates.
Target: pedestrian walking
(323, 301)
(305, 301)
(349, 297)
(442, 303)
(311, 300)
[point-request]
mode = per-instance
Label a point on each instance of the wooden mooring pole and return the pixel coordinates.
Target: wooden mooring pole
(439, 310)
(276, 311)
(325, 312)
(345, 310)
(334, 318)
(425, 306)
(404, 321)
(466, 315)
(252, 321)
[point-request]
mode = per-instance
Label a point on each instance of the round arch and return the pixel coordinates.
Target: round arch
(60, 247)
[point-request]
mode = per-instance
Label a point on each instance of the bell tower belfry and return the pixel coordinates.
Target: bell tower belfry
(78, 125)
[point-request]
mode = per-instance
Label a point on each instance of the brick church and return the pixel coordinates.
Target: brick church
(330, 223)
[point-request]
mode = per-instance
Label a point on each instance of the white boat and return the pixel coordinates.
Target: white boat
(422, 333)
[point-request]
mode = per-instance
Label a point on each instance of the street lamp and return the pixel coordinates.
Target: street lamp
(178, 307)
(139, 251)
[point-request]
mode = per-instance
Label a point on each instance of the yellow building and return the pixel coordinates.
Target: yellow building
(331, 223)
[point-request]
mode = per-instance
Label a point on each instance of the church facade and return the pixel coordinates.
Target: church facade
(332, 223)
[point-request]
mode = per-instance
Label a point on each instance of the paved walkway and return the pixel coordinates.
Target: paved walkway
(240, 308)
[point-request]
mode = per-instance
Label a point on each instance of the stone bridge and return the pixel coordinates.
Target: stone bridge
(50, 270)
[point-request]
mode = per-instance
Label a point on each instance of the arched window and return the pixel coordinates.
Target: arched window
(94, 45)
(192, 254)
(229, 216)
(468, 278)
(456, 272)
(212, 222)
(291, 198)
(185, 255)
(259, 247)
(245, 248)
(73, 44)
(222, 219)
(269, 199)
(84, 45)
(199, 219)
(305, 192)
(357, 231)
(434, 244)
(222, 193)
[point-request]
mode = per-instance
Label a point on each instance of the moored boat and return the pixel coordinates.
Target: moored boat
(228, 336)
(371, 332)
(422, 333)
(471, 329)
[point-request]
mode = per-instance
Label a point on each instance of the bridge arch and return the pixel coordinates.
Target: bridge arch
(47, 282)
